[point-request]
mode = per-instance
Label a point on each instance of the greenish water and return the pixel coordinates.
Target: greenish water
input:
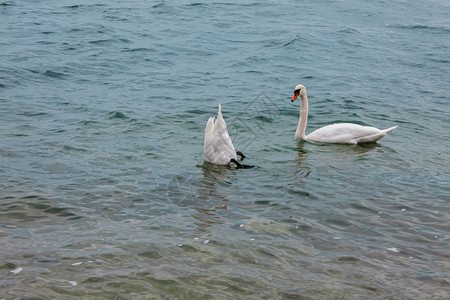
(103, 190)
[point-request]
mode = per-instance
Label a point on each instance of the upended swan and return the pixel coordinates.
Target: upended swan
(342, 133)
(218, 148)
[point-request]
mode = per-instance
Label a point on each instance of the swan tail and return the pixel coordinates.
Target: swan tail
(390, 129)
(220, 123)
(209, 131)
(218, 148)
(209, 125)
(375, 137)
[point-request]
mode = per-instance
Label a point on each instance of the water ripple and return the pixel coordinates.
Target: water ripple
(103, 189)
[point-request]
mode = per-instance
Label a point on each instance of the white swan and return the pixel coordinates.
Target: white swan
(343, 133)
(218, 148)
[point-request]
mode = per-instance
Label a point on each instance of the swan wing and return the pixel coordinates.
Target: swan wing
(347, 133)
(218, 148)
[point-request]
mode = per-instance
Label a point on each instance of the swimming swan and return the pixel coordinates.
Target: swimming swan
(343, 133)
(218, 148)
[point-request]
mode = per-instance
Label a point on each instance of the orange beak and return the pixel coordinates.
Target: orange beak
(295, 97)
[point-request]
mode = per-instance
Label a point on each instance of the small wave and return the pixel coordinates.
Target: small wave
(101, 42)
(87, 122)
(74, 6)
(304, 39)
(33, 114)
(348, 30)
(436, 60)
(196, 4)
(294, 40)
(8, 3)
(117, 115)
(110, 41)
(53, 74)
(348, 259)
(198, 112)
(159, 5)
(75, 30)
(70, 148)
(423, 27)
(255, 59)
(142, 49)
(264, 119)
(79, 6)
(338, 222)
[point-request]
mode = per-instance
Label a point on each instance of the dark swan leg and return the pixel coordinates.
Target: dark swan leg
(240, 154)
(239, 165)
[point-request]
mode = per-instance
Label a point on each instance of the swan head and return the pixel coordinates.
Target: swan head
(298, 89)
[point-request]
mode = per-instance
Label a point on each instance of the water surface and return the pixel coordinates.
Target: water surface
(103, 190)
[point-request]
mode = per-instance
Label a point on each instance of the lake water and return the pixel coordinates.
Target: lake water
(103, 190)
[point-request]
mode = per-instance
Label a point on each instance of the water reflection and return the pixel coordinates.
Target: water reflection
(210, 197)
(216, 172)
(205, 193)
(311, 155)
(304, 167)
(347, 150)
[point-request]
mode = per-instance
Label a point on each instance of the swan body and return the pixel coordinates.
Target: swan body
(347, 133)
(218, 148)
(342, 133)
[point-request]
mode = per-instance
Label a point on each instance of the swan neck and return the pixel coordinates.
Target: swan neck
(301, 128)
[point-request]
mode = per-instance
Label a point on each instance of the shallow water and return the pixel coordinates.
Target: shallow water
(103, 190)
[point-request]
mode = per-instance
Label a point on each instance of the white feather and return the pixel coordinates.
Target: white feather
(218, 148)
(342, 133)
(347, 133)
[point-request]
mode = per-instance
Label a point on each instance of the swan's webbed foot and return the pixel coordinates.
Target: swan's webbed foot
(239, 165)
(240, 154)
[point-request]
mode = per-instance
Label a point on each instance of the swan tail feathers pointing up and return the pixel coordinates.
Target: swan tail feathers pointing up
(220, 124)
(209, 124)
(218, 148)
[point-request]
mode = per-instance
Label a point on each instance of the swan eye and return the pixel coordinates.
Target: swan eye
(296, 92)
